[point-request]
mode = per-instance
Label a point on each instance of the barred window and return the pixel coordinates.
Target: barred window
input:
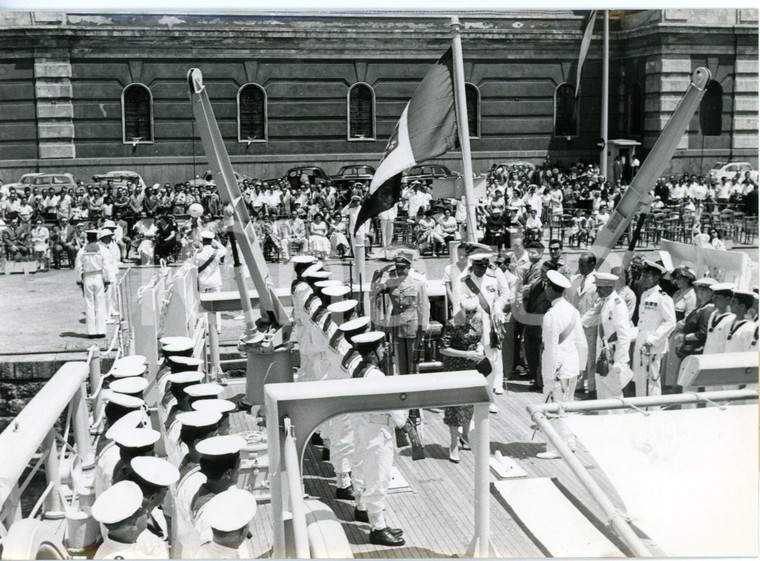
(252, 113)
(361, 112)
(565, 120)
(711, 110)
(473, 109)
(137, 114)
(635, 110)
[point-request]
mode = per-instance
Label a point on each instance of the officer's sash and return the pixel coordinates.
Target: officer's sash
(469, 283)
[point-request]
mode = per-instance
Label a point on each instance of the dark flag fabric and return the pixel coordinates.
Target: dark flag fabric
(427, 128)
(588, 33)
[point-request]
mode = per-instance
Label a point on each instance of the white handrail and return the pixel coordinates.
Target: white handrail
(21, 439)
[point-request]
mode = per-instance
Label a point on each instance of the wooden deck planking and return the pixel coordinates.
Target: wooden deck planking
(437, 513)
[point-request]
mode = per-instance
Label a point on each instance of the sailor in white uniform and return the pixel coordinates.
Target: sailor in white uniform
(209, 261)
(720, 320)
(94, 276)
(657, 320)
(120, 510)
(610, 316)
(229, 514)
(375, 437)
(155, 476)
(565, 348)
(742, 331)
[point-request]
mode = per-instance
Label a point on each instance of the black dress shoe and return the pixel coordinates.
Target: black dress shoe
(346, 493)
(395, 531)
(385, 537)
(361, 515)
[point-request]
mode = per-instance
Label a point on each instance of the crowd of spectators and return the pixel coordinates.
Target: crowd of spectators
(319, 218)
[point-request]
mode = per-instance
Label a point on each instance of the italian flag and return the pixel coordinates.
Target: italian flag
(427, 128)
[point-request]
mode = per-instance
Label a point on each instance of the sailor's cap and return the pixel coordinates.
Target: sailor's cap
(123, 400)
(303, 259)
(480, 258)
(199, 419)
(117, 503)
(705, 282)
(131, 420)
(369, 341)
(343, 306)
(128, 369)
(188, 361)
(129, 359)
(652, 266)
(187, 377)
(130, 386)
(605, 279)
(204, 390)
(155, 471)
(327, 283)
(722, 288)
(746, 297)
(92, 232)
(136, 438)
(353, 327)
(217, 446)
(336, 291)
(316, 271)
(222, 406)
(176, 340)
(230, 510)
(558, 279)
(207, 235)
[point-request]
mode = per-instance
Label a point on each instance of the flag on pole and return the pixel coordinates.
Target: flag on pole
(585, 44)
(427, 128)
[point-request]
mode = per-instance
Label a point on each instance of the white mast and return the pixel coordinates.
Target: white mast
(605, 93)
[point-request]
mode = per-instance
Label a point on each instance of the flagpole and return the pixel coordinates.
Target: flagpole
(605, 93)
(460, 101)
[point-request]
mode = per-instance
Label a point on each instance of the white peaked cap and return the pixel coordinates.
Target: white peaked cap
(117, 503)
(156, 471)
(230, 510)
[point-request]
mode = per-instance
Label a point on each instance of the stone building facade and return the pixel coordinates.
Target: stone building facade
(86, 93)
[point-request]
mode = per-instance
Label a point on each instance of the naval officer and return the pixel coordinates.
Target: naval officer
(492, 293)
(565, 349)
(609, 317)
(657, 320)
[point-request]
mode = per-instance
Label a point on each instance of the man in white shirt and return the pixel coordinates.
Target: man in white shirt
(582, 295)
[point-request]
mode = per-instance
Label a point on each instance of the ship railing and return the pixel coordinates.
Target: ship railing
(34, 439)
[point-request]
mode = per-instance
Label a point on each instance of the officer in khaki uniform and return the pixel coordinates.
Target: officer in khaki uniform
(407, 309)
(657, 319)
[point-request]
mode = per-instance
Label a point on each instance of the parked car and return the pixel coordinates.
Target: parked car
(315, 174)
(119, 179)
(730, 169)
(446, 184)
(56, 181)
(348, 175)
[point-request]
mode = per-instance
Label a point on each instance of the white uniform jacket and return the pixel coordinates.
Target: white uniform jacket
(717, 332)
(563, 359)
(211, 276)
(612, 315)
(657, 319)
(494, 289)
(740, 336)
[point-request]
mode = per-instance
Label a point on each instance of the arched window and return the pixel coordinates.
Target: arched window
(252, 113)
(565, 121)
(635, 110)
(473, 109)
(137, 114)
(361, 112)
(711, 110)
